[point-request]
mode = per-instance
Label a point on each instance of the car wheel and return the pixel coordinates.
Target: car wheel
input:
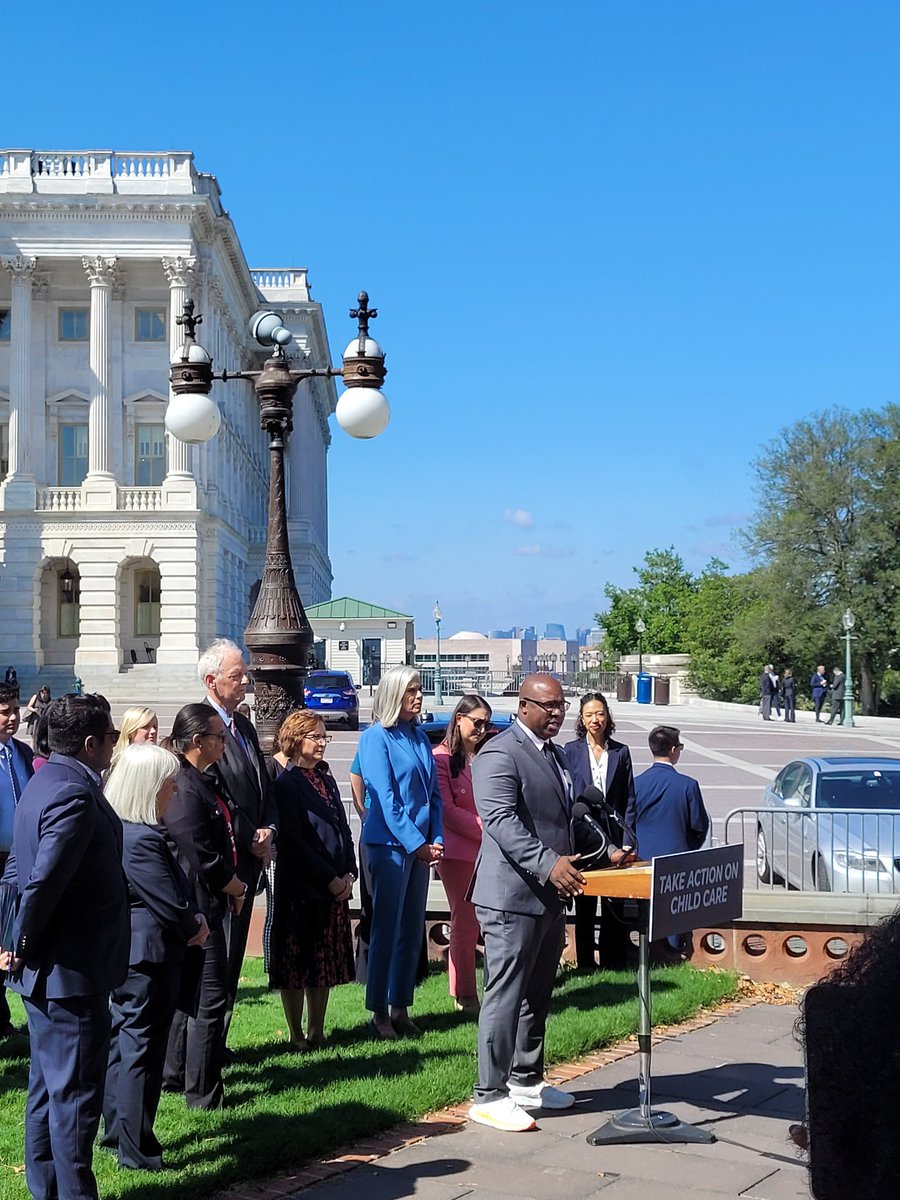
(353, 722)
(820, 875)
(763, 867)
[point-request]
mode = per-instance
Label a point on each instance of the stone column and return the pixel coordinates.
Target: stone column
(179, 487)
(18, 490)
(99, 487)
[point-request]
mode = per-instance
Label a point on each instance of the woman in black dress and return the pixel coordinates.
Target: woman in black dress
(311, 948)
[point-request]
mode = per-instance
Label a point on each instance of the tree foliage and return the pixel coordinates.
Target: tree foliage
(661, 598)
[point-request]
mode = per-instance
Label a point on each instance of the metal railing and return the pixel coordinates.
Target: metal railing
(855, 850)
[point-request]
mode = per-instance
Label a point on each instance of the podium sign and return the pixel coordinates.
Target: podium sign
(696, 890)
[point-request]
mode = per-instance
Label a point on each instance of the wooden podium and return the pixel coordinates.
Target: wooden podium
(641, 1124)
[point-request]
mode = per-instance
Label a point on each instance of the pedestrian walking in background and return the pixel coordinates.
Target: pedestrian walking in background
(165, 921)
(765, 693)
(789, 694)
(36, 708)
(466, 732)
(776, 707)
(403, 835)
(818, 685)
(311, 945)
(838, 689)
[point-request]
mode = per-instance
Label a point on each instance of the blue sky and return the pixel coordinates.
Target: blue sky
(615, 247)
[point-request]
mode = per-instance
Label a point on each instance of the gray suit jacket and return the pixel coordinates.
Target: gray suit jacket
(526, 814)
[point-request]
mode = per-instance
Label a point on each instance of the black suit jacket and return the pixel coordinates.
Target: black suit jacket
(315, 843)
(163, 909)
(198, 834)
(246, 781)
(72, 929)
(619, 780)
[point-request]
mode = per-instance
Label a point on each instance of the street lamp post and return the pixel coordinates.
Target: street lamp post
(640, 629)
(438, 689)
(279, 635)
(848, 620)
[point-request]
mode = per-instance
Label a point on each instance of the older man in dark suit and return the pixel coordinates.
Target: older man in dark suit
(524, 875)
(242, 773)
(70, 944)
(15, 771)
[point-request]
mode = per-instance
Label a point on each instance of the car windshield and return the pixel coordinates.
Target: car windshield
(875, 788)
(328, 682)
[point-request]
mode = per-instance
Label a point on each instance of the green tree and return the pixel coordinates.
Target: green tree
(826, 534)
(661, 598)
(721, 625)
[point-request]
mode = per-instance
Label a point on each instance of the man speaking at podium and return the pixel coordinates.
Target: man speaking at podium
(524, 875)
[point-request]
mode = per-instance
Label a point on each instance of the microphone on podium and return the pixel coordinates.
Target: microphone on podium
(590, 838)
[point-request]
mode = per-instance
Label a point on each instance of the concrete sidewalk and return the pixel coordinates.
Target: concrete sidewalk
(740, 1077)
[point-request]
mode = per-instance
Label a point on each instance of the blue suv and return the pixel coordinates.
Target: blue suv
(332, 694)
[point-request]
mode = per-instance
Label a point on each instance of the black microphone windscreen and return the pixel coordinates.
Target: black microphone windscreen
(580, 810)
(594, 793)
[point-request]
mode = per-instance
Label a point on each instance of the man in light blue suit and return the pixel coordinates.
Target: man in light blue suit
(403, 836)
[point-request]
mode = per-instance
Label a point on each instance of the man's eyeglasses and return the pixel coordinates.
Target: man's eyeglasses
(549, 706)
(478, 723)
(111, 733)
(321, 739)
(219, 736)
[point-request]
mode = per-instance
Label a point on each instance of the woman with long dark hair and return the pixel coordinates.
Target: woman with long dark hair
(466, 732)
(199, 823)
(597, 760)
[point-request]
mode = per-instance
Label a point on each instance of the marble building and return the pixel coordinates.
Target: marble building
(123, 550)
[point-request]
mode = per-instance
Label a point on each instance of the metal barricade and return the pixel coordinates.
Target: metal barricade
(846, 850)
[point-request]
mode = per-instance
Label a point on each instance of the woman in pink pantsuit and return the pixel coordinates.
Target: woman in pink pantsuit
(462, 840)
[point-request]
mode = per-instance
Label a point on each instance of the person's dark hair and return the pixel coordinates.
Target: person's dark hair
(8, 695)
(662, 739)
(608, 729)
(467, 704)
(44, 693)
(190, 722)
(848, 1028)
(39, 742)
(788, 674)
(72, 719)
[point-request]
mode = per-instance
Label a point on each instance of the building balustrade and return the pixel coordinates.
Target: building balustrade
(128, 499)
(101, 171)
(281, 279)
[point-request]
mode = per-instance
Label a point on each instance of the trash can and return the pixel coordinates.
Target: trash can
(644, 687)
(661, 688)
(623, 688)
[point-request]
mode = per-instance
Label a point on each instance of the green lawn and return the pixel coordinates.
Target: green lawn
(284, 1108)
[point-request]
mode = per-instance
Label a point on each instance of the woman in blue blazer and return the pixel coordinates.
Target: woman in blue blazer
(595, 758)
(403, 836)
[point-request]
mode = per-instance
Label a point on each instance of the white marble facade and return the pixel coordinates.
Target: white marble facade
(118, 543)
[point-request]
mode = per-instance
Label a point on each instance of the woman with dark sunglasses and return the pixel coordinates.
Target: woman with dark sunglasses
(462, 840)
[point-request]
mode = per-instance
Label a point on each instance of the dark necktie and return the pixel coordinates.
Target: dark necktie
(11, 772)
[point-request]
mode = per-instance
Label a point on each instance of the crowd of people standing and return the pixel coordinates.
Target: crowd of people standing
(776, 692)
(131, 868)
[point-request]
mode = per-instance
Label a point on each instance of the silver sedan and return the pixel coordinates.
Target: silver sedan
(834, 825)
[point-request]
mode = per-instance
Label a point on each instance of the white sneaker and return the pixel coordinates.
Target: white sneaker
(502, 1114)
(542, 1095)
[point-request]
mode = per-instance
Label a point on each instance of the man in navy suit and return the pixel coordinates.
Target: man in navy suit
(70, 946)
(668, 815)
(15, 771)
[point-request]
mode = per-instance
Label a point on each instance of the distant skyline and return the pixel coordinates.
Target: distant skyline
(615, 248)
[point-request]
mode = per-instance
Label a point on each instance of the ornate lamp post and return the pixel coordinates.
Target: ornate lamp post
(640, 629)
(438, 682)
(848, 620)
(279, 635)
